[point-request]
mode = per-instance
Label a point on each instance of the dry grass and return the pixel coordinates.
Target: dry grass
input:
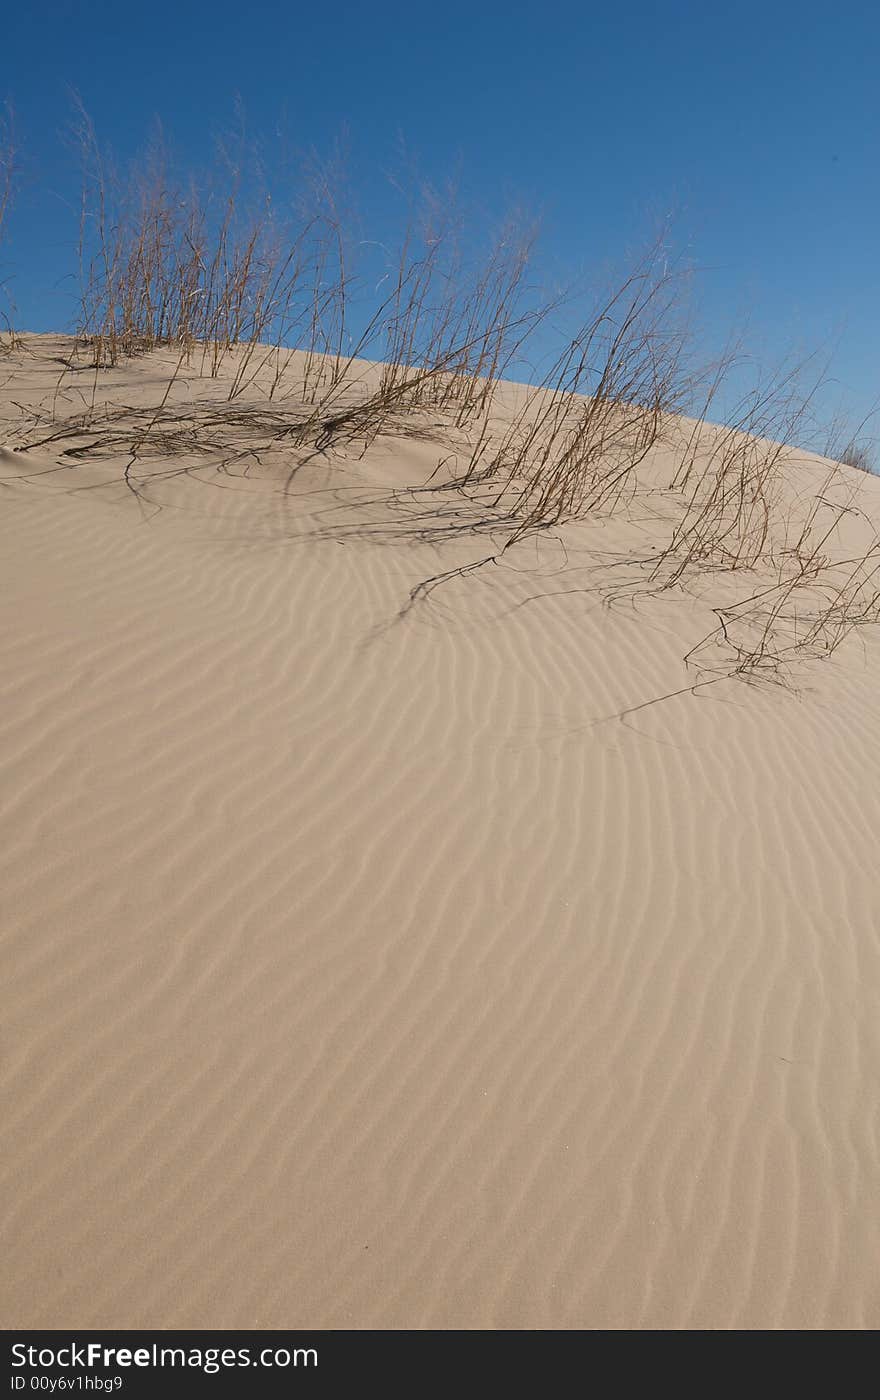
(222, 279)
(167, 266)
(582, 432)
(162, 265)
(731, 476)
(858, 455)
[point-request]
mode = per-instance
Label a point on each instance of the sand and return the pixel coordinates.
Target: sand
(369, 973)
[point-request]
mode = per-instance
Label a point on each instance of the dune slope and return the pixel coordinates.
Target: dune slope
(370, 972)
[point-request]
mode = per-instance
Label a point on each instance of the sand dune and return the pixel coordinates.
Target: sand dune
(371, 973)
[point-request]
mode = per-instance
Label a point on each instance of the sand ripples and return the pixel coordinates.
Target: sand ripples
(355, 977)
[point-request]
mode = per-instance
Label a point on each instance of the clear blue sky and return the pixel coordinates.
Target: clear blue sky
(757, 123)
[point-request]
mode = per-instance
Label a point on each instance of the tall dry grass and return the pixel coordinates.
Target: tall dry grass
(445, 333)
(583, 430)
(210, 270)
(257, 297)
(730, 474)
(164, 265)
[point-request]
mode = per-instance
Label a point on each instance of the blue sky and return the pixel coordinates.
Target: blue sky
(757, 124)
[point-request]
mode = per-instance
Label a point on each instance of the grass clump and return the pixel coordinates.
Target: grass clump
(858, 455)
(277, 298)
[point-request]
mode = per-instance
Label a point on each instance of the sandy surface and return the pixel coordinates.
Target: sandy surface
(354, 975)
